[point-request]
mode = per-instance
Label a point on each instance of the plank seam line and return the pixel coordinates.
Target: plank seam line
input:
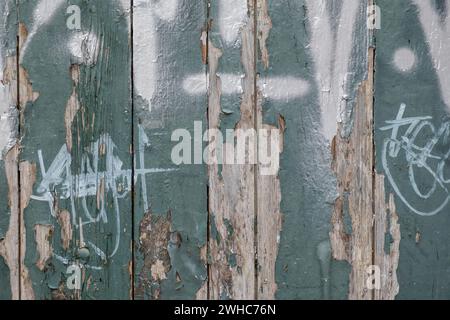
(372, 55)
(19, 132)
(133, 207)
(208, 216)
(255, 124)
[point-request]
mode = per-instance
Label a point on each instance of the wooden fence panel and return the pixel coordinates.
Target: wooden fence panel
(412, 129)
(224, 149)
(9, 116)
(75, 161)
(170, 108)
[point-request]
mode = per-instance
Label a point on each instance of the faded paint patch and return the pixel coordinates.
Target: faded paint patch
(43, 236)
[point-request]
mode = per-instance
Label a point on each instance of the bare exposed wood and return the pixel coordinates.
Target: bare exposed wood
(27, 180)
(232, 191)
(72, 107)
(66, 228)
(9, 246)
(43, 236)
(386, 223)
(269, 217)
(353, 164)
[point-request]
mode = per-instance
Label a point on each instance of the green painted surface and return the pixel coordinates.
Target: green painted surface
(179, 190)
(423, 271)
(101, 134)
(165, 212)
(307, 180)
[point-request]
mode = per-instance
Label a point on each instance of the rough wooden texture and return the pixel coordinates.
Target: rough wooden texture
(232, 186)
(170, 200)
(268, 193)
(9, 272)
(353, 163)
(75, 149)
(411, 136)
(109, 179)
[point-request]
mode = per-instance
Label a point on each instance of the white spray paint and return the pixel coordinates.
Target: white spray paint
(406, 132)
(43, 13)
(232, 17)
(332, 59)
(77, 188)
(404, 59)
(275, 88)
(7, 137)
(438, 36)
(146, 50)
(84, 47)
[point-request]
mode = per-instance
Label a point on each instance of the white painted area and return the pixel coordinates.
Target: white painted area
(5, 128)
(438, 38)
(404, 59)
(231, 83)
(195, 84)
(232, 17)
(283, 88)
(44, 11)
(332, 58)
(84, 47)
(146, 50)
(275, 88)
(165, 9)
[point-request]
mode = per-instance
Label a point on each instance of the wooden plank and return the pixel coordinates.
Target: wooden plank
(76, 165)
(232, 184)
(9, 266)
(316, 73)
(170, 106)
(411, 119)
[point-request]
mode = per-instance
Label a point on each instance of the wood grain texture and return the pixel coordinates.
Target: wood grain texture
(135, 135)
(170, 199)
(9, 120)
(410, 84)
(231, 186)
(75, 156)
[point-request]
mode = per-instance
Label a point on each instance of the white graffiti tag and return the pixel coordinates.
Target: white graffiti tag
(58, 182)
(420, 144)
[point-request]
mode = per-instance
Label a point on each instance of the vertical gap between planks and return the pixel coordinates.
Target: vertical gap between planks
(255, 124)
(371, 73)
(19, 131)
(208, 216)
(133, 256)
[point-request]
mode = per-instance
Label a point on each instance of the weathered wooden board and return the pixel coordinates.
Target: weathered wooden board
(9, 266)
(224, 149)
(75, 161)
(170, 108)
(412, 140)
(231, 105)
